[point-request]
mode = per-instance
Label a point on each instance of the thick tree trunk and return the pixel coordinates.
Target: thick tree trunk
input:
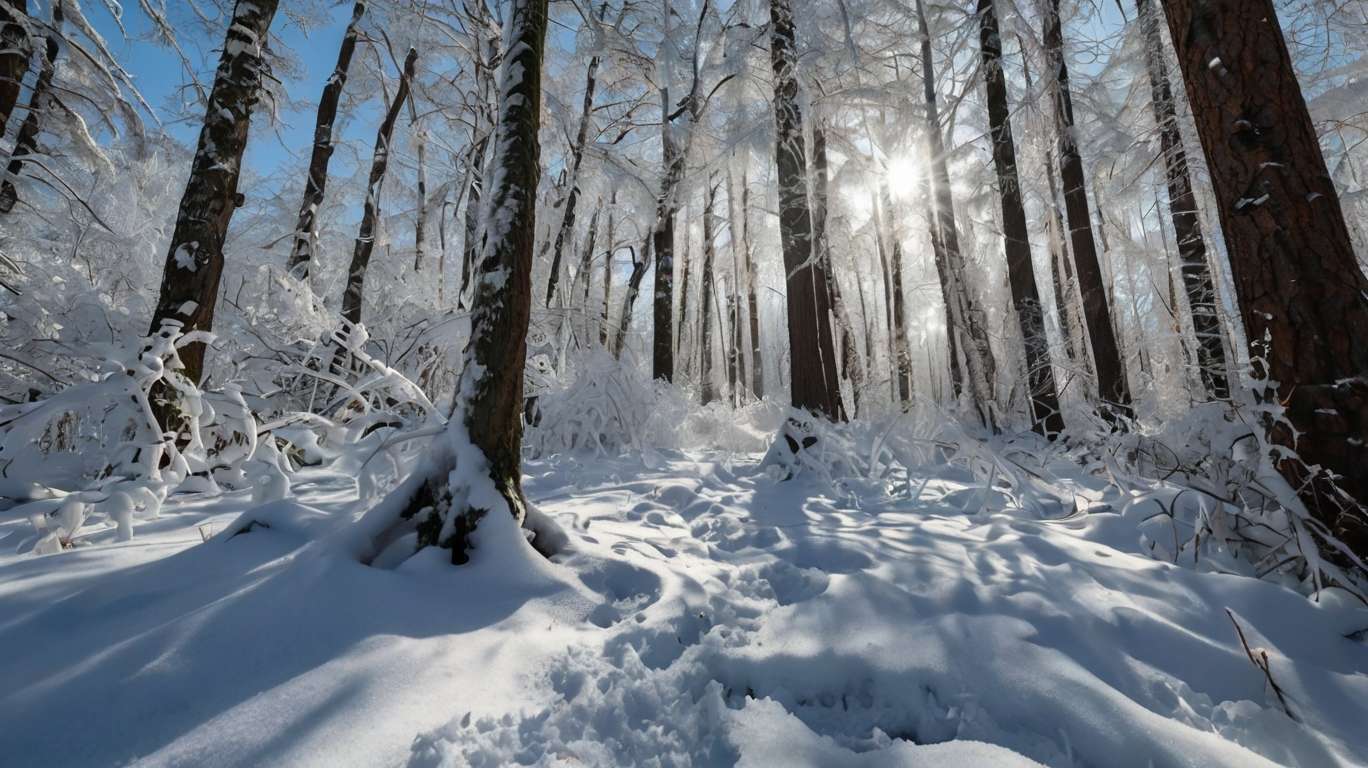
(194, 259)
(1187, 229)
(39, 102)
(353, 294)
(1111, 371)
(708, 391)
(306, 230)
(1303, 296)
(1046, 417)
(567, 226)
(969, 320)
(812, 356)
(14, 56)
(484, 432)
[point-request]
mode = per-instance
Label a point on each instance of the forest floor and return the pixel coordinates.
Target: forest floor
(705, 613)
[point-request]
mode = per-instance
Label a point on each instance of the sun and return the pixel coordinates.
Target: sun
(903, 176)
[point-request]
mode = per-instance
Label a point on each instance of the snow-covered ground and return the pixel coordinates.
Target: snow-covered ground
(706, 613)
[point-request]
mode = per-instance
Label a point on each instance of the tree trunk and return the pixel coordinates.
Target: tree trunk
(812, 356)
(420, 215)
(1303, 296)
(639, 267)
(14, 56)
(1187, 229)
(306, 230)
(567, 226)
(585, 271)
(682, 326)
(39, 102)
(1111, 372)
(1046, 417)
(471, 244)
(901, 347)
(848, 359)
(484, 432)
(608, 269)
(970, 320)
(705, 304)
(757, 368)
(194, 260)
(365, 239)
(881, 237)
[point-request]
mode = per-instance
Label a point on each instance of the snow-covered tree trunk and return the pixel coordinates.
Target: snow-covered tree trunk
(1302, 294)
(757, 365)
(901, 350)
(306, 229)
(1111, 371)
(474, 467)
(353, 294)
(609, 251)
(708, 390)
(585, 272)
(194, 260)
(420, 213)
(40, 99)
(14, 55)
(813, 384)
(567, 225)
(969, 319)
(848, 357)
(639, 267)
(1187, 228)
(1046, 417)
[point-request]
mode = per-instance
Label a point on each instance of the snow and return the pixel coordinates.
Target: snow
(703, 613)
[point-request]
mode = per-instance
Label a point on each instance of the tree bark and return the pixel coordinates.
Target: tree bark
(848, 358)
(1111, 372)
(1187, 229)
(194, 260)
(485, 427)
(353, 294)
(812, 356)
(585, 271)
(420, 215)
(608, 269)
(708, 390)
(1046, 417)
(567, 226)
(14, 56)
(757, 366)
(39, 102)
(969, 320)
(471, 241)
(306, 229)
(1303, 296)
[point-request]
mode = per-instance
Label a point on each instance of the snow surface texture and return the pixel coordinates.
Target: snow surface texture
(705, 613)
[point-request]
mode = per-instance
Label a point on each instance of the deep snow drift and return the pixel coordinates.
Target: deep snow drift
(706, 613)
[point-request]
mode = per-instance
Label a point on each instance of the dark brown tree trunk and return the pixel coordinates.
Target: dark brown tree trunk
(194, 259)
(39, 102)
(14, 56)
(757, 369)
(970, 320)
(812, 356)
(707, 390)
(567, 226)
(353, 295)
(1187, 229)
(1111, 371)
(1046, 417)
(420, 214)
(486, 421)
(306, 230)
(1303, 296)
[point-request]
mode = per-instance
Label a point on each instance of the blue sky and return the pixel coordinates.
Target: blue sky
(160, 76)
